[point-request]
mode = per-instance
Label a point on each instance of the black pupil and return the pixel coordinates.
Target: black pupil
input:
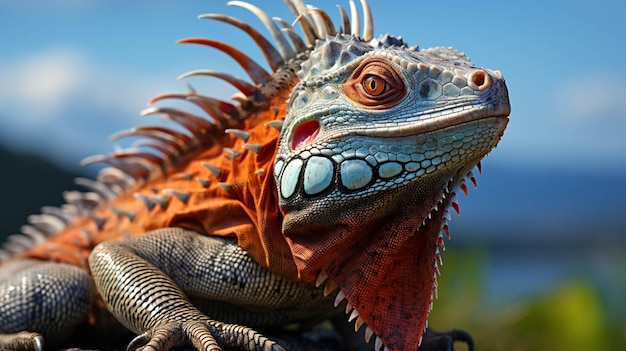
(372, 84)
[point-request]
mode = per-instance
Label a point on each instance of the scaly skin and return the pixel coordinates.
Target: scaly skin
(233, 225)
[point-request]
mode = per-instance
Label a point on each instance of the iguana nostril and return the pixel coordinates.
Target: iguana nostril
(479, 80)
(304, 133)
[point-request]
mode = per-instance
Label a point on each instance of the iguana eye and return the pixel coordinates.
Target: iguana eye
(375, 84)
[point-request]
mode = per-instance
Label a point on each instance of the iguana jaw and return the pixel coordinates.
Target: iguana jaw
(384, 259)
(381, 281)
(389, 276)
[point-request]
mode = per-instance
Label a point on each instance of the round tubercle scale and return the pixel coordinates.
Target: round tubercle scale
(304, 133)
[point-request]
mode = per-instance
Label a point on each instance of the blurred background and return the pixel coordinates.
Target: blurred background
(537, 256)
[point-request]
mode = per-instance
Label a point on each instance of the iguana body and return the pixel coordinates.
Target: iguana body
(343, 211)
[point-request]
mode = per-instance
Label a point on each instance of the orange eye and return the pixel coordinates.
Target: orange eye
(375, 84)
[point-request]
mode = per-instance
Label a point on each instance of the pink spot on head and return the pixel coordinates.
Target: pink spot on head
(304, 134)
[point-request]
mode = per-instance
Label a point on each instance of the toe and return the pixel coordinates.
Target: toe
(162, 338)
(237, 336)
(200, 336)
(22, 341)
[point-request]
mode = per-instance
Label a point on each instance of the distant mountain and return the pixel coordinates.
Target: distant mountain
(28, 182)
(544, 207)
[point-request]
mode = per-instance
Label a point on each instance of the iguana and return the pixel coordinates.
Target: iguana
(323, 188)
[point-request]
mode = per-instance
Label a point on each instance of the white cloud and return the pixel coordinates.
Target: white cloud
(576, 125)
(65, 104)
(42, 83)
(593, 99)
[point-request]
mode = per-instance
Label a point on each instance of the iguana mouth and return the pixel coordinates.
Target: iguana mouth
(304, 133)
(385, 260)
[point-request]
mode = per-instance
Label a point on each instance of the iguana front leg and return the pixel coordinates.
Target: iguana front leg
(148, 283)
(41, 301)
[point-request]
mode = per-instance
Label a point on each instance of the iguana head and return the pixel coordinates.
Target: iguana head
(377, 137)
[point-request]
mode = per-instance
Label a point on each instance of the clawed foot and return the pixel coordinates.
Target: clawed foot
(444, 341)
(22, 341)
(203, 335)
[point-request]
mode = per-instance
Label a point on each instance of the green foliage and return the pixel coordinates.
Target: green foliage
(570, 315)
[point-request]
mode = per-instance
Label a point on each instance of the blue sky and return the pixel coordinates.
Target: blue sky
(72, 72)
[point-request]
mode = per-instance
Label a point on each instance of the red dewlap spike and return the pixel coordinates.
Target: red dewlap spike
(464, 189)
(455, 206)
(447, 230)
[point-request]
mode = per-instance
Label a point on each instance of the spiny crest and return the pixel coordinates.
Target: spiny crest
(161, 149)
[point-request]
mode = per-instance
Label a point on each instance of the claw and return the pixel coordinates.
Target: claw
(137, 342)
(22, 341)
